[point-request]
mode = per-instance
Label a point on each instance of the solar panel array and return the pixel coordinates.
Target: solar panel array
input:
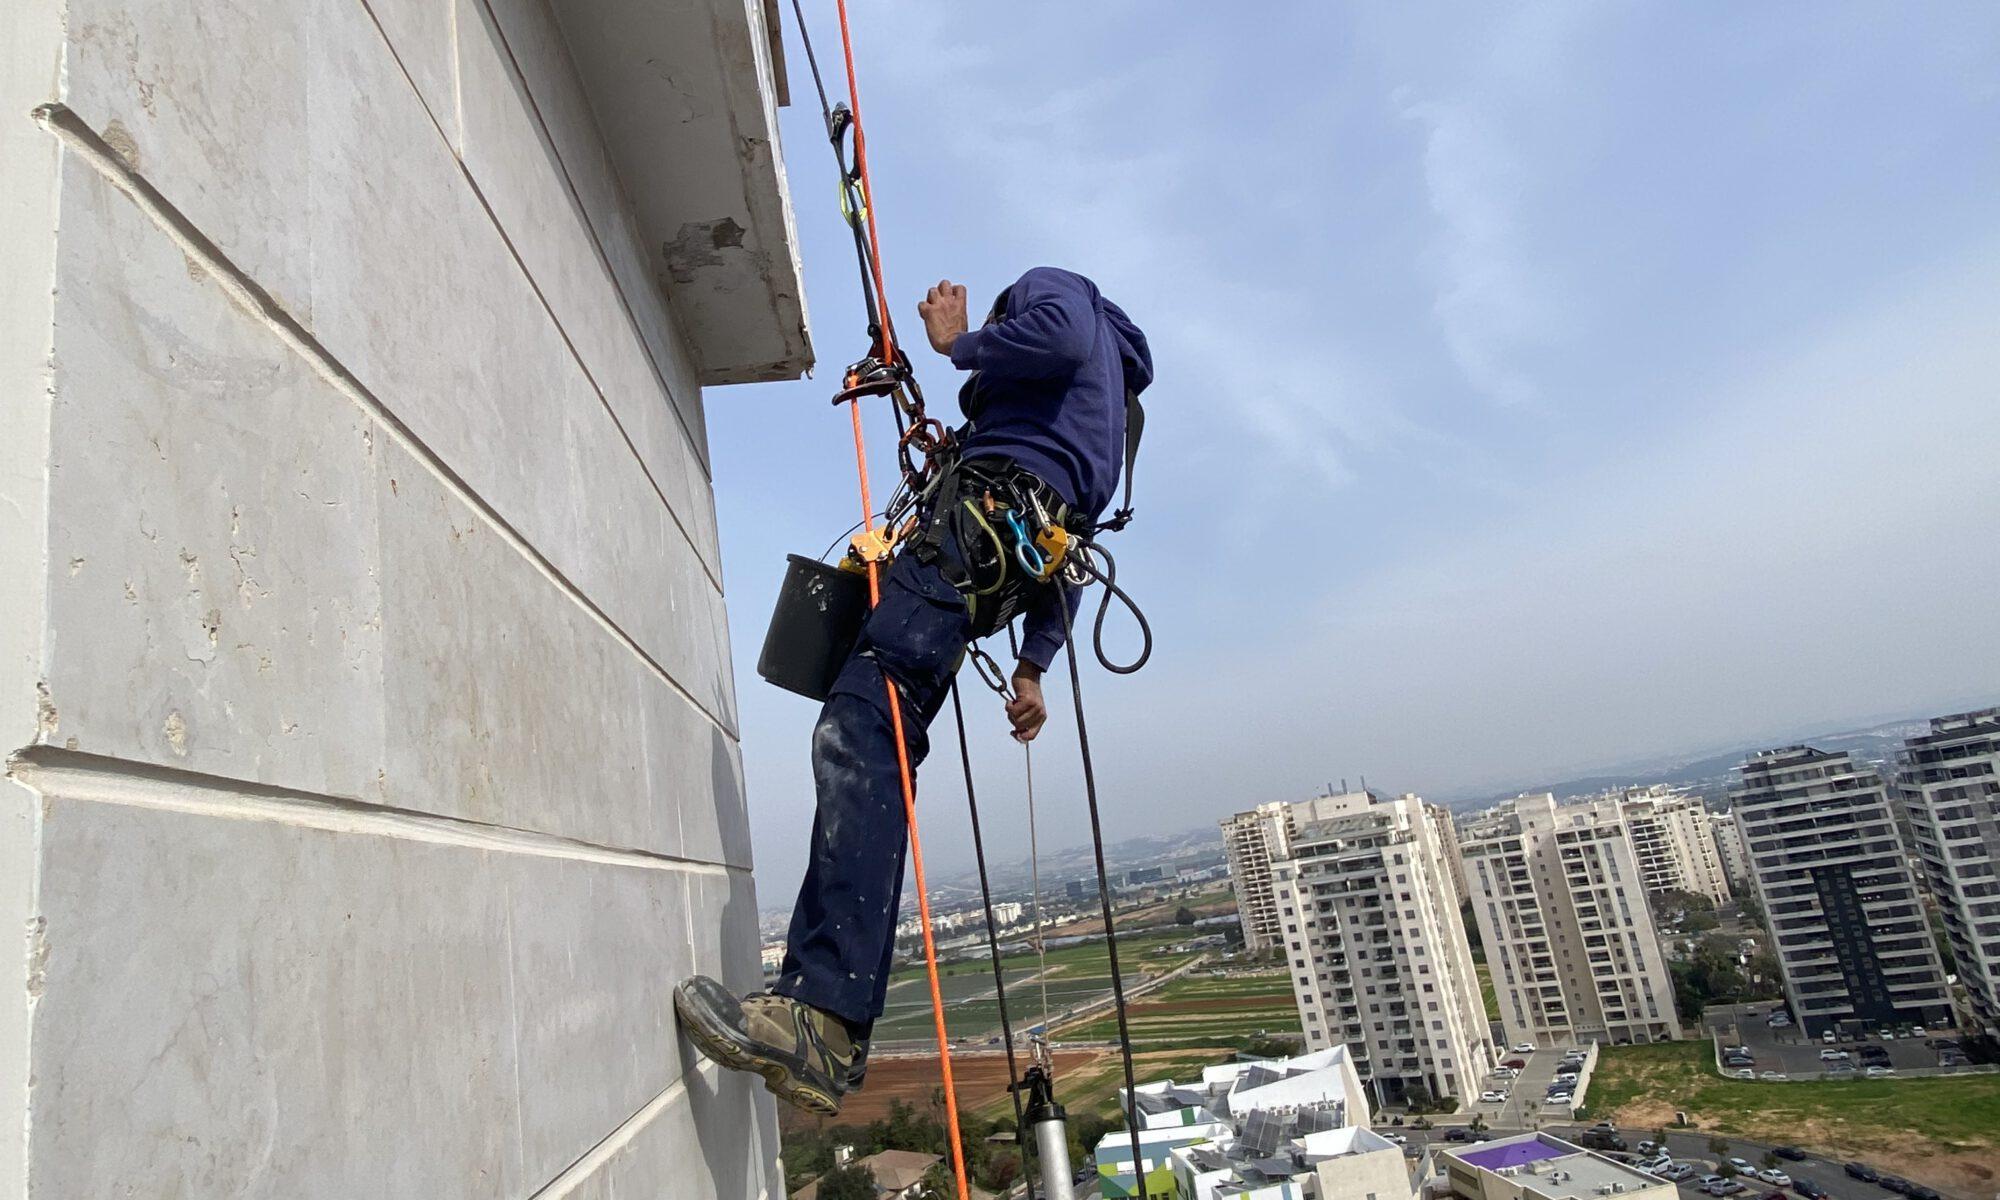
(1263, 1132)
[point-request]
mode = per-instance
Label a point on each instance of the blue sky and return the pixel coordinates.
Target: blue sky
(1539, 388)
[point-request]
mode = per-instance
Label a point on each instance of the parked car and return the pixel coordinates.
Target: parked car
(1601, 1139)
(1920, 1192)
(1742, 1166)
(1878, 1072)
(1896, 1184)
(1887, 1035)
(1739, 1060)
(1790, 1153)
(1829, 1037)
(1917, 1031)
(1606, 1126)
(1744, 1073)
(1681, 1171)
(1516, 1063)
(1492, 1097)
(1504, 1072)
(1648, 1147)
(1834, 1056)
(1775, 1176)
(1457, 1134)
(1726, 1187)
(1774, 1195)
(1809, 1189)
(1773, 1076)
(1567, 1077)
(1524, 1047)
(1863, 1172)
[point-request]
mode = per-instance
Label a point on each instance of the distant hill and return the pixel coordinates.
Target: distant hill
(1203, 842)
(1711, 772)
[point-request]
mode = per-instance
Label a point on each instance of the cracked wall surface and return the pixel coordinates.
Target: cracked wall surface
(373, 763)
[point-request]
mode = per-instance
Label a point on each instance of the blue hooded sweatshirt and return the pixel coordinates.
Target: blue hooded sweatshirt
(1053, 371)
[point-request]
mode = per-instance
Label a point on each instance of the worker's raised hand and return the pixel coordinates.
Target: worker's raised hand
(943, 311)
(1026, 710)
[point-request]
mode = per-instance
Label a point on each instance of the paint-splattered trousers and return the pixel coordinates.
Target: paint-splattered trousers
(843, 930)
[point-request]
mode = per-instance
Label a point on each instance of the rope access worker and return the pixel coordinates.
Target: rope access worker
(1053, 371)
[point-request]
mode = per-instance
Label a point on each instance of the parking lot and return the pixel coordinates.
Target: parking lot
(1787, 1051)
(1693, 1148)
(1524, 1107)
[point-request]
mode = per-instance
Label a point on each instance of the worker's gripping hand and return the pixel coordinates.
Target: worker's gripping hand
(943, 311)
(1026, 710)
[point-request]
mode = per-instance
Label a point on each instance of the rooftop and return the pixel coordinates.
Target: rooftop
(1553, 1168)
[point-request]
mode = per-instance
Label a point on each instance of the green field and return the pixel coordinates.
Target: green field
(1486, 992)
(1076, 974)
(1202, 1009)
(1945, 1130)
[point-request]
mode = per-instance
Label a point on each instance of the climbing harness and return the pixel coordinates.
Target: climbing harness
(1013, 538)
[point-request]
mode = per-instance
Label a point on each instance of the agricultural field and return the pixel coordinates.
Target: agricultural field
(1942, 1131)
(1077, 974)
(1200, 1008)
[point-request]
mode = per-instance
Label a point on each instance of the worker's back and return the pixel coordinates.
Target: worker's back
(1053, 374)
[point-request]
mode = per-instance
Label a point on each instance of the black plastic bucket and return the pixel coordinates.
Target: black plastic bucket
(814, 626)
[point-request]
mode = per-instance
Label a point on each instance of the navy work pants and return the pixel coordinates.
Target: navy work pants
(843, 929)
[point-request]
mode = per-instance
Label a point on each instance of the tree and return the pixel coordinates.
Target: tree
(1683, 909)
(851, 1182)
(1184, 916)
(1478, 1123)
(1719, 1146)
(1770, 1160)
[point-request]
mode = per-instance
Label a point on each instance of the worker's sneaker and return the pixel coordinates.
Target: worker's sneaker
(807, 1057)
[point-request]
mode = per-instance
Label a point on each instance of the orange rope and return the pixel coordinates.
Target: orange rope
(875, 598)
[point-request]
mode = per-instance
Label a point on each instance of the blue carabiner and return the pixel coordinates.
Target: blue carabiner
(1025, 553)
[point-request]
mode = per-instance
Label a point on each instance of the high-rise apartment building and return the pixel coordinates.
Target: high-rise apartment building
(1560, 898)
(1379, 959)
(1837, 889)
(1447, 832)
(1675, 842)
(1730, 849)
(1950, 784)
(1250, 839)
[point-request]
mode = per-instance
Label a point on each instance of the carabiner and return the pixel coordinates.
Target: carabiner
(1031, 559)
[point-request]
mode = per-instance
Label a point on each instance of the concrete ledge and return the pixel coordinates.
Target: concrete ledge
(686, 96)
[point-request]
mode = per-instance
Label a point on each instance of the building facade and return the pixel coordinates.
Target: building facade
(1675, 842)
(1849, 928)
(1560, 899)
(1729, 848)
(1250, 840)
(1446, 827)
(1949, 780)
(1379, 959)
(373, 767)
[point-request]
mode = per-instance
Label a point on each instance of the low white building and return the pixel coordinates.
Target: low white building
(1245, 1125)
(1536, 1166)
(1330, 1164)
